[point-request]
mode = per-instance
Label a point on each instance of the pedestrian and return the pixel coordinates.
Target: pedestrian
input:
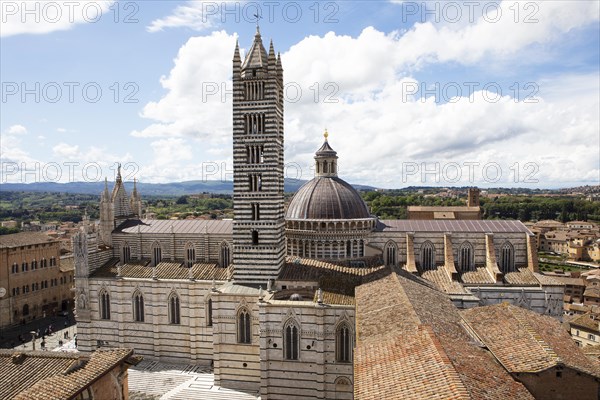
(66, 324)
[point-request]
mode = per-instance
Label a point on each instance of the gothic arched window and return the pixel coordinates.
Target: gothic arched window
(225, 255)
(138, 307)
(343, 343)
(427, 256)
(104, 300)
(126, 253)
(244, 326)
(507, 258)
(391, 254)
(209, 312)
(156, 254)
(465, 257)
(291, 346)
(174, 316)
(190, 255)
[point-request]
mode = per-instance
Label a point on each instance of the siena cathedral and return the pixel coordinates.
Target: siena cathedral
(269, 298)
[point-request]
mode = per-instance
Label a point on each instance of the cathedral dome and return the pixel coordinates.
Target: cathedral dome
(327, 198)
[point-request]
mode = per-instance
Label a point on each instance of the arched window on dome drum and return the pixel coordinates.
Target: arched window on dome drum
(348, 248)
(243, 326)
(325, 167)
(104, 300)
(427, 256)
(343, 344)
(465, 257)
(292, 341)
(174, 317)
(507, 258)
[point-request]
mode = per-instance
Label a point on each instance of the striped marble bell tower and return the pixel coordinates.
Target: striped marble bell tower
(258, 228)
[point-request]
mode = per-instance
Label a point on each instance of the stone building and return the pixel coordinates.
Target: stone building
(37, 281)
(472, 210)
(269, 298)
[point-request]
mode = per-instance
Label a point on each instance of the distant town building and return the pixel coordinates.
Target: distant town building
(36, 280)
(585, 329)
(472, 211)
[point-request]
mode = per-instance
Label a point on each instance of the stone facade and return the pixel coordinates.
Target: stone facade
(37, 281)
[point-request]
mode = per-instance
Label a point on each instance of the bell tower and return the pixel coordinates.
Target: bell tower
(258, 227)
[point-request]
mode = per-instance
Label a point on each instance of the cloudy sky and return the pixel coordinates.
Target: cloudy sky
(503, 93)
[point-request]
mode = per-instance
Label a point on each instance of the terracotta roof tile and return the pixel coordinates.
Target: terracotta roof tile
(164, 270)
(524, 341)
(439, 277)
(589, 321)
(53, 375)
(521, 277)
(479, 276)
(24, 239)
(402, 326)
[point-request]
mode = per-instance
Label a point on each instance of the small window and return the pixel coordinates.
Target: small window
(104, 305)
(254, 238)
(243, 328)
(343, 344)
(174, 316)
(465, 257)
(190, 255)
(591, 337)
(156, 254)
(126, 253)
(209, 313)
(291, 342)
(138, 307)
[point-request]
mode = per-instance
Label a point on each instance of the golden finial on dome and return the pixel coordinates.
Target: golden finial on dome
(326, 134)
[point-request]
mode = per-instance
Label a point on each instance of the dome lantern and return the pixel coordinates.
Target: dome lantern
(326, 159)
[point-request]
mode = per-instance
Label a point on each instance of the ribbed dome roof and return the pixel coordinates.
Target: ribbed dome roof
(327, 198)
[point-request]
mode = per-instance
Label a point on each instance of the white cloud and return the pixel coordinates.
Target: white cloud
(10, 145)
(41, 17)
(66, 151)
(496, 37)
(374, 123)
(16, 130)
(197, 15)
(202, 67)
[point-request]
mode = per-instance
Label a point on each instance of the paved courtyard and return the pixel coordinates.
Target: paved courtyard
(150, 380)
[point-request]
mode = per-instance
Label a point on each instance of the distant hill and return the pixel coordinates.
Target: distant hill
(148, 189)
